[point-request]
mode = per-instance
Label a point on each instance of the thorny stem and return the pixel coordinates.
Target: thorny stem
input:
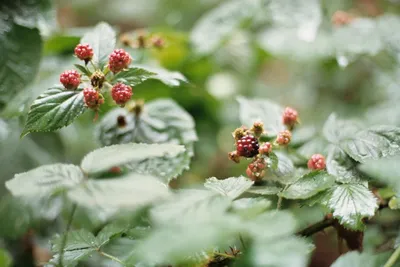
(65, 236)
(224, 255)
(111, 257)
(315, 228)
(392, 260)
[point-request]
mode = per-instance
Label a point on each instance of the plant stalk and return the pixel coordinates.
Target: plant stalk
(392, 260)
(315, 228)
(111, 257)
(65, 236)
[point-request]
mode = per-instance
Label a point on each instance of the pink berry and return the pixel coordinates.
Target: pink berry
(247, 146)
(316, 162)
(284, 137)
(118, 60)
(290, 116)
(265, 149)
(84, 52)
(121, 93)
(70, 79)
(256, 170)
(92, 98)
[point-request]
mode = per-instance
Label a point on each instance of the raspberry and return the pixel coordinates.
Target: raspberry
(247, 146)
(290, 116)
(118, 60)
(239, 132)
(316, 162)
(256, 170)
(70, 79)
(92, 98)
(121, 93)
(84, 52)
(283, 137)
(258, 128)
(265, 149)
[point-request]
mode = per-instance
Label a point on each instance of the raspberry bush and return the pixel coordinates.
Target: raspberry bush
(263, 133)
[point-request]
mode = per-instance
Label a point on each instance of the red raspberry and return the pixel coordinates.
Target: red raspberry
(265, 149)
(256, 170)
(92, 98)
(316, 162)
(290, 116)
(121, 93)
(70, 79)
(118, 60)
(284, 137)
(84, 52)
(247, 146)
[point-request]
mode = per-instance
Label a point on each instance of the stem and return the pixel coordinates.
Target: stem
(315, 228)
(279, 204)
(392, 260)
(242, 241)
(65, 237)
(224, 255)
(111, 257)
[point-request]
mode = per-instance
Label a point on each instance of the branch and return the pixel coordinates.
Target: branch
(64, 240)
(392, 260)
(315, 228)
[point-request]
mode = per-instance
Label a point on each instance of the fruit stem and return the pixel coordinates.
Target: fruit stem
(279, 204)
(392, 260)
(65, 237)
(111, 257)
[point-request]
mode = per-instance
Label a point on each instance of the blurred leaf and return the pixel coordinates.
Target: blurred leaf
(231, 187)
(20, 53)
(130, 191)
(54, 109)
(285, 172)
(379, 114)
(264, 190)
(102, 39)
(335, 130)
(18, 217)
(5, 258)
(356, 259)
(105, 158)
(309, 185)
(373, 143)
(83, 69)
(45, 180)
(58, 44)
(250, 207)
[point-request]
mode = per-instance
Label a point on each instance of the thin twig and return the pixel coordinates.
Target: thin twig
(65, 236)
(279, 204)
(111, 257)
(392, 260)
(315, 228)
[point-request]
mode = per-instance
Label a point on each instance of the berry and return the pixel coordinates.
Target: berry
(340, 18)
(290, 117)
(157, 42)
(121, 93)
(256, 170)
(70, 79)
(97, 79)
(92, 98)
(234, 156)
(247, 146)
(118, 60)
(265, 149)
(84, 52)
(258, 128)
(284, 138)
(239, 132)
(316, 162)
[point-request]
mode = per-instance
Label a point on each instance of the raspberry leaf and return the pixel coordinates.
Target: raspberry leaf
(250, 207)
(231, 187)
(45, 180)
(308, 185)
(102, 39)
(83, 69)
(264, 190)
(335, 129)
(355, 258)
(54, 109)
(133, 76)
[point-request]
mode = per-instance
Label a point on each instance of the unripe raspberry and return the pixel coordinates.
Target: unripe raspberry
(290, 117)
(256, 170)
(84, 52)
(121, 93)
(70, 79)
(258, 128)
(265, 149)
(118, 60)
(316, 162)
(234, 156)
(97, 79)
(284, 138)
(247, 146)
(92, 98)
(239, 132)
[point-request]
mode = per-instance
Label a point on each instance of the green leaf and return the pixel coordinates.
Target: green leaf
(131, 191)
(102, 39)
(83, 69)
(45, 180)
(264, 190)
(133, 76)
(385, 170)
(317, 145)
(335, 130)
(54, 109)
(342, 166)
(105, 158)
(18, 217)
(231, 187)
(248, 208)
(169, 78)
(350, 203)
(20, 53)
(261, 109)
(309, 185)
(357, 259)
(373, 143)
(5, 258)
(109, 232)
(285, 172)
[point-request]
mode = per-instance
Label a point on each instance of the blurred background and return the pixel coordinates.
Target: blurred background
(319, 57)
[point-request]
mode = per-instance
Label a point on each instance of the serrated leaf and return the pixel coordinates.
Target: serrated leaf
(264, 190)
(231, 187)
(131, 191)
(45, 180)
(109, 232)
(285, 171)
(133, 76)
(350, 203)
(317, 145)
(54, 109)
(357, 259)
(105, 158)
(309, 185)
(373, 143)
(83, 69)
(5, 258)
(335, 130)
(342, 166)
(264, 110)
(102, 39)
(385, 170)
(273, 161)
(19, 59)
(167, 77)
